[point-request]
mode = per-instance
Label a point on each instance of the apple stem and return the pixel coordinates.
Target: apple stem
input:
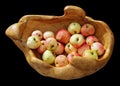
(77, 39)
(92, 53)
(34, 39)
(52, 46)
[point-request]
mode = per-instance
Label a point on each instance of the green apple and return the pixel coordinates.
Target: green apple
(48, 57)
(51, 43)
(70, 48)
(33, 42)
(48, 34)
(92, 54)
(77, 40)
(74, 28)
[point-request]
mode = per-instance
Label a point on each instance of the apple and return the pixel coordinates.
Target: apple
(70, 48)
(77, 40)
(91, 39)
(33, 42)
(61, 60)
(71, 55)
(51, 43)
(74, 28)
(83, 48)
(62, 35)
(92, 54)
(42, 47)
(48, 34)
(87, 29)
(59, 49)
(98, 47)
(48, 57)
(37, 33)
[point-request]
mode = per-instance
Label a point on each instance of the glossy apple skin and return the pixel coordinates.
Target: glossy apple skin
(48, 34)
(71, 55)
(91, 39)
(74, 28)
(37, 33)
(70, 48)
(92, 54)
(51, 43)
(62, 35)
(83, 48)
(59, 49)
(41, 49)
(77, 40)
(33, 42)
(87, 29)
(98, 47)
(48, 57)
(61, 60)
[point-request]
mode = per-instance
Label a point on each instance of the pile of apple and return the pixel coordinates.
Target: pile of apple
(60, 47)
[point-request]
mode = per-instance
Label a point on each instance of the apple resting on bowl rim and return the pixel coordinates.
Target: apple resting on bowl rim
(79, 67)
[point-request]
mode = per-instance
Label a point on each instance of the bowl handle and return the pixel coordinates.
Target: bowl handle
(72, 11)
(15, 30)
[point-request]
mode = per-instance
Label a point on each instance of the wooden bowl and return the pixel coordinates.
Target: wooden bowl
(79, 67)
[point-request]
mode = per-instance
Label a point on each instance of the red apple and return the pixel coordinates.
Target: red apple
(91, 39)
(63, 36)
(77, 40)
(71, 55)
(37, 33)
(87, 29)
(59, 49)
(70, 48)
(61, 60)
(42, 47)
(83, 48)
(98, 47)
(48, 34)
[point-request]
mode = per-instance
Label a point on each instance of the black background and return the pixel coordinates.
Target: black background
(14, 67)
